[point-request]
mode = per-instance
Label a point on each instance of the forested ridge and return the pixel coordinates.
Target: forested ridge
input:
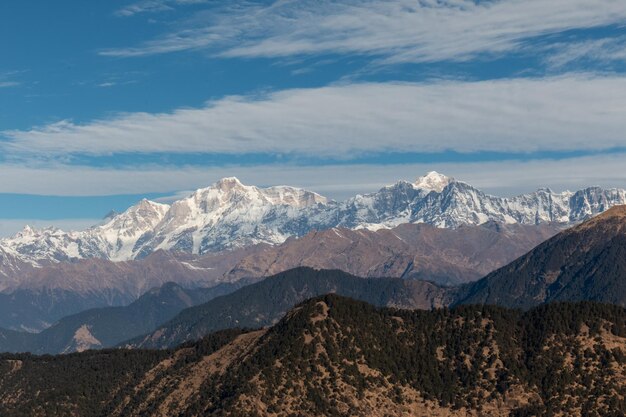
(336, 356)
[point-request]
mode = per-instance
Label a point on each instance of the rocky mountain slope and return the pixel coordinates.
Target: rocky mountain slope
(336, 357)
(410, 251)
(585, 262)
(35, 297)
(230, 215)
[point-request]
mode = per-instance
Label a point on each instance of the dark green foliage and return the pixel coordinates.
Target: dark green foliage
(76, 384)
(311, 356)
(85, 384)
(403, 346)
(585, 263)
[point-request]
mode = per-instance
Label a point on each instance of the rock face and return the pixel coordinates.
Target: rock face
(230, 215)
(410, 251)
(333, 356)
(585, 262)
(34, 298)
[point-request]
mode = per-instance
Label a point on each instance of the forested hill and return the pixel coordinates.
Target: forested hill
(336, 356)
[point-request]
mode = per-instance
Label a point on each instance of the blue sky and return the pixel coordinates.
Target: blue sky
(103, 103)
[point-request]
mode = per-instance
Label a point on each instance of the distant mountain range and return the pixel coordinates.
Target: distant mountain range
(43, 287)
(266, 302)
(409, 251)
(582, 263)
(333, 356)
(232, 215)
(34, 297)
(586, 262)
(106, 327)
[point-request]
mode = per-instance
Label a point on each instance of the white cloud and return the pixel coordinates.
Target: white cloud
(153, 6)
(107, 84)
(575, 112)
(604, 51)
(335, 181)
(397, 31)
(6, 80)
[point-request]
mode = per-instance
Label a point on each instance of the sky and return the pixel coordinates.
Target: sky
(105, 103)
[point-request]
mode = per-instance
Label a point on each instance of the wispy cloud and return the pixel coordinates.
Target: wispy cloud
(565, 113)
(107, 84)
(606, 50)
(394, 31)
(153, 6)
(335, 181)
(7, 79)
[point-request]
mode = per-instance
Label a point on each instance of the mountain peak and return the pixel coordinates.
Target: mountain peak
(433, 181)
(144, 208)
(229, 214)
(228, 183)
(145, 203)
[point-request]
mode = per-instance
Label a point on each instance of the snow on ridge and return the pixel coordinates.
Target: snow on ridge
(229, 214)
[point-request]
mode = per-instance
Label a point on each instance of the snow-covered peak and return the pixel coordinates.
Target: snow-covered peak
(230, 190)
(229, 183)
(117, 237)
(433, 181)
(26, 231)
(290, 196)
(143, 215)
(29, 233)
(229, 214)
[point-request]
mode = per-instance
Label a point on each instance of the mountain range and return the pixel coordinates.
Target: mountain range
(585, 262)
(334, 356)
(410, 251)
(106, 327)
(230, 231)
(34, 297)
(266, 302)
(230, 215)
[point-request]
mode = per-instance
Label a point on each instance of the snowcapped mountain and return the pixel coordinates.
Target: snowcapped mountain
(229, 214)
(113, 240)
